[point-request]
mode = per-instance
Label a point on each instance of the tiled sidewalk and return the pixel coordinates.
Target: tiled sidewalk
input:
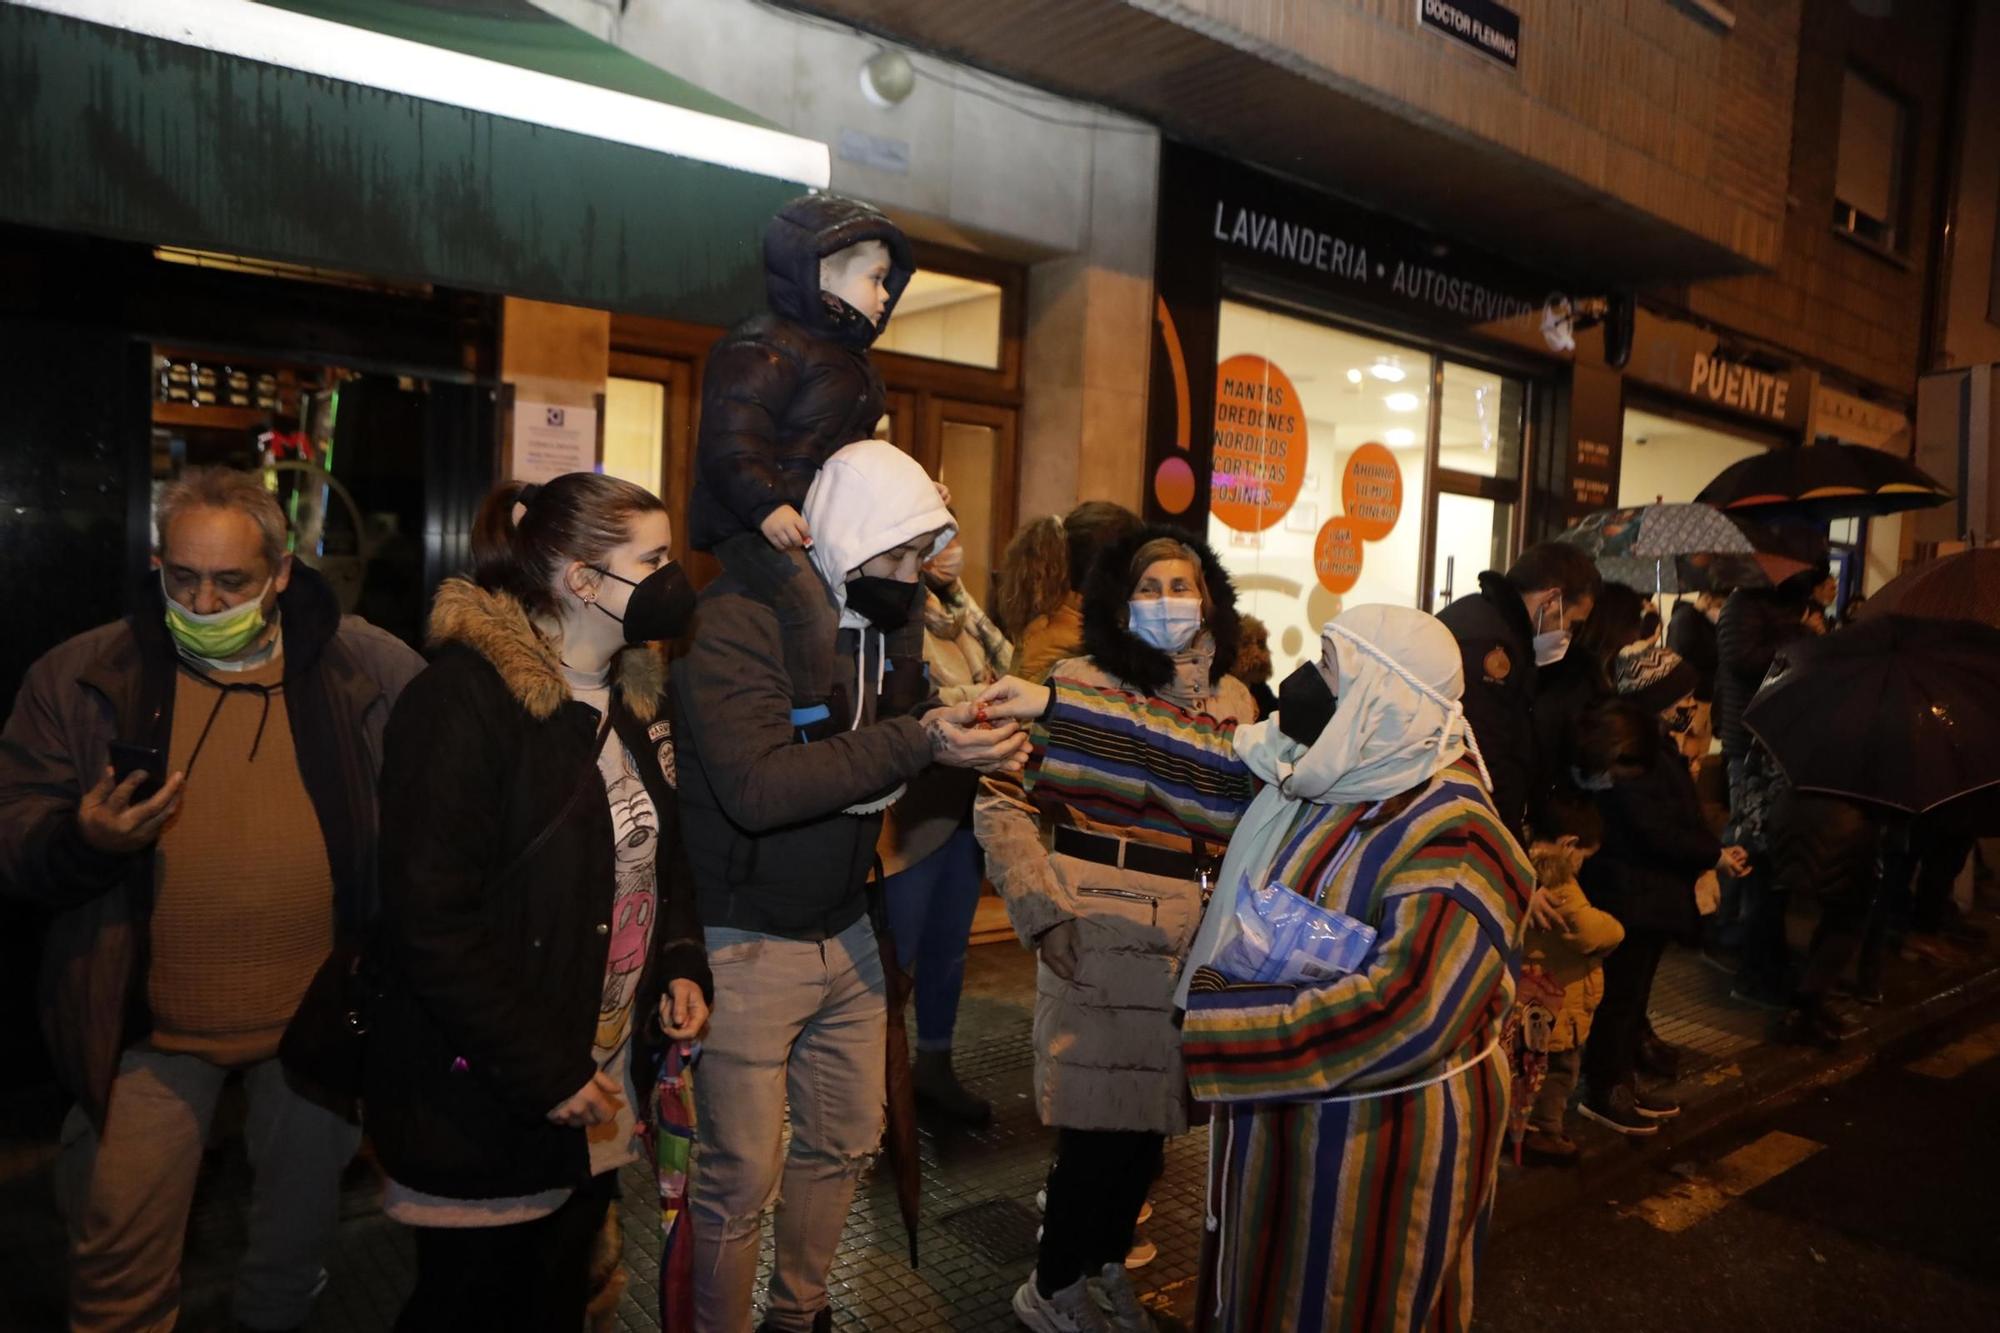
(979, 1220)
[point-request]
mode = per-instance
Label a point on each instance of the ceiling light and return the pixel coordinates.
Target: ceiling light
(1402, 402)
(887, 78)
(273, 36)
(1399, 437)
(1387, 370)
(1354, 377)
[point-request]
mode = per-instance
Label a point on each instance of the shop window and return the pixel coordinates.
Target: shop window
(946, 317)
(1481, 428)
(1319, 475)
(1868, 181)
(1668, 459)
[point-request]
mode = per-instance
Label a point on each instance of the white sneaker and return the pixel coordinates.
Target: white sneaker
(1143, 1252)
(1119, 1300)
(1072, 1310)
(1041, 1201)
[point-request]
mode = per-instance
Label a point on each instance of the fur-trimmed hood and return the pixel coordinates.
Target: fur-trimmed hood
(1131, 659)
(497, 627)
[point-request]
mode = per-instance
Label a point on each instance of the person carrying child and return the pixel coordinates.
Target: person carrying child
(783, 391)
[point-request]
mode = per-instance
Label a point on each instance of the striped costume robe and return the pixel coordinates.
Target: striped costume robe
(1366, 1213)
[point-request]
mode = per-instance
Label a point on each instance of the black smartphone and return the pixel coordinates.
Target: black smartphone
(127, 759)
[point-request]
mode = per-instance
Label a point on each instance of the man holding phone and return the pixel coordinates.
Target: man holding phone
(191, 792)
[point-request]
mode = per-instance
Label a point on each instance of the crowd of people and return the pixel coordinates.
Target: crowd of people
(465, 903)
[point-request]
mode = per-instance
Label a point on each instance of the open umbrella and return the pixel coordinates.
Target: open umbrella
(1822, 482)
(1898, 712)
(1669, 548)
(1965, 586)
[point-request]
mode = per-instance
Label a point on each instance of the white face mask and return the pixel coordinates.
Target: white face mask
(1552, 645)
(1168, 623)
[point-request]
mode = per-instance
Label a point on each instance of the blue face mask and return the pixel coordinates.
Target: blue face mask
(1168, 623)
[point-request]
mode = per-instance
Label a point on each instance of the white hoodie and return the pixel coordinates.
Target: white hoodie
(870, 497)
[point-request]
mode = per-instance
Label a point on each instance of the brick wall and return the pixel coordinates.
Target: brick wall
(1827, 297)
(1636, 98)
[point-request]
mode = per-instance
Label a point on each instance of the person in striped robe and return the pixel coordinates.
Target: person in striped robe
(1359, 1122)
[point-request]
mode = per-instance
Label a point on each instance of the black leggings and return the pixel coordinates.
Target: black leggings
(1612, 1052)
(526, 1278)
(1096, 1189)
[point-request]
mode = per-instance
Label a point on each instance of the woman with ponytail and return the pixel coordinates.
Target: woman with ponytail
(1042, 577)
(538, 942)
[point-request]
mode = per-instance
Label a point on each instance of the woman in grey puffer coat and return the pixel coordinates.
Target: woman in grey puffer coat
(1103, 860)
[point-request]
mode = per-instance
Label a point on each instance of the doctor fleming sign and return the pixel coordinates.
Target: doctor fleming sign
(1738, 386)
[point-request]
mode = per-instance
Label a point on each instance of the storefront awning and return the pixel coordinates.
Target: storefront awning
(473, 144)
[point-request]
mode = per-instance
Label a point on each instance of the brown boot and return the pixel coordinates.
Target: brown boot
(1550, 1147)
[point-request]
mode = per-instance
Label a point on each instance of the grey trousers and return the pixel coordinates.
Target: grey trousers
(796, 1022)
(126, 1196)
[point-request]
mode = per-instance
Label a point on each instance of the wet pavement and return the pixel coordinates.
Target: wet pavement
(977, 1236)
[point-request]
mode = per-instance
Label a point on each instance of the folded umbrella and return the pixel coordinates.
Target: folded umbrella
(1822, 482)
(1965, 586)
(1927, 739)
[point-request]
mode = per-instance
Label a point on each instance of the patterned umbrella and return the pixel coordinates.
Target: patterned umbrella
(670, 1135)
(1823, 482)
(1668, 547)
(1965, 586)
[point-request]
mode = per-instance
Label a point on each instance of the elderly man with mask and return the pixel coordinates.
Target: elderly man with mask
(190, 913)
(782, 835)
(1359, 1118)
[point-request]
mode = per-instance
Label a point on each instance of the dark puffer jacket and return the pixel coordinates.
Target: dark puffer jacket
(784, 389)
(1755, 623)
(1132, 660)
(1497, 641)
(492, 948)
(1656, 844)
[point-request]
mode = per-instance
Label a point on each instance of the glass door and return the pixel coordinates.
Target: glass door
(1479, 425)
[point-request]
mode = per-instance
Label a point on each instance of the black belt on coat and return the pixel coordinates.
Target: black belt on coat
(1128, 854)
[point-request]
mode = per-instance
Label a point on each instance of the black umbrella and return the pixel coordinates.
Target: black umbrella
(1965, 586)
(1897, 711)
(1822, 482)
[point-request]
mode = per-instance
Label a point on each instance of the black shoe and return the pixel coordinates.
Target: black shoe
(939, 1089)
(822, 1323)
(1759, 993)
(1616, 1111)
(1724, 960)
(1653, 1106)
(1820, 1025)
(1659, 1058)
(1862, 992)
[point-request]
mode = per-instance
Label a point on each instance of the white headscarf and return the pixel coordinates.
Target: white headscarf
(1398, 720)
(1397, 724)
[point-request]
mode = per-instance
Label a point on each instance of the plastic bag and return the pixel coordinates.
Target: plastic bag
(1282, 937)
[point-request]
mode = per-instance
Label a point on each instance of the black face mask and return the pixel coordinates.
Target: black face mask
(660, 607)
(887, 603)
(1305, 704)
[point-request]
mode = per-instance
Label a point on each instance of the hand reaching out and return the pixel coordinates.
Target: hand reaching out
(1001, 748)
(1012, 697)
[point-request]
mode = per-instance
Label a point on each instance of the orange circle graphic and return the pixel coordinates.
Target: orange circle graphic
(1337, 556)
(1260, 444)
(1371, 491)
(1173, 485)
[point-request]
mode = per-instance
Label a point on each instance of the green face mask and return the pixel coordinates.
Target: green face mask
(218, 634)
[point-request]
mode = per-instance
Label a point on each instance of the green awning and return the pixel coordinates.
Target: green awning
(197, 130)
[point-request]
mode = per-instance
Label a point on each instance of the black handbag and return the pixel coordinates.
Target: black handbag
(324, 1047)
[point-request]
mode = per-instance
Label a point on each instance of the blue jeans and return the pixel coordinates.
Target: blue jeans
(931, 905)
